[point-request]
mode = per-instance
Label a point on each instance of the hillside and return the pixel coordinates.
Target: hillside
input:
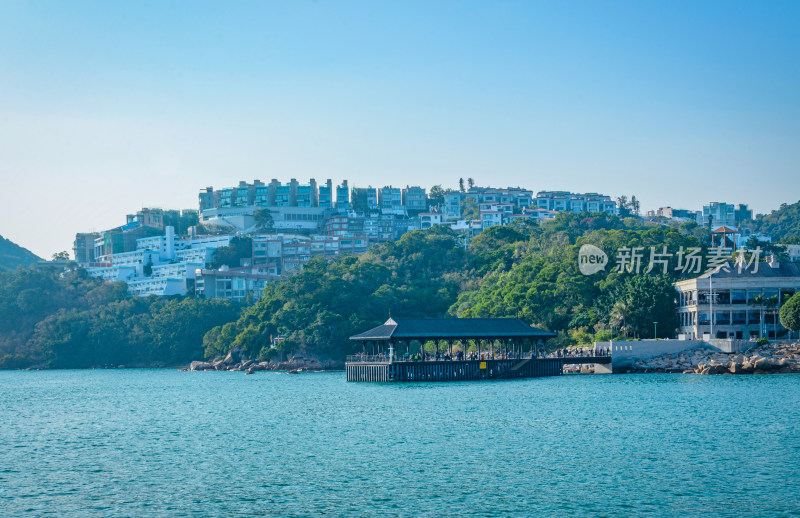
(525, 270)
(782, 224)
(13, 255)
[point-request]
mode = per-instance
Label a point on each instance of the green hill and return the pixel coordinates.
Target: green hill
(782, 224)
(13, 255)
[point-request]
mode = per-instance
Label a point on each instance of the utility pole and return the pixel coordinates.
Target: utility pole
(711, 301)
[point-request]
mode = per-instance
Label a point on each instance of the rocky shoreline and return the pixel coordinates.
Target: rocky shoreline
(235, 361)
(770, 358)
(777, 357)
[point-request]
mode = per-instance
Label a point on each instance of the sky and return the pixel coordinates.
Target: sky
(108, 107)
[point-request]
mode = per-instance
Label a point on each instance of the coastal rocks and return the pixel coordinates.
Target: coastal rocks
(770, 358)
(235, 361)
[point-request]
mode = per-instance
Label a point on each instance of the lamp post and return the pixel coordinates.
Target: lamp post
(711, 303)
(655, 332)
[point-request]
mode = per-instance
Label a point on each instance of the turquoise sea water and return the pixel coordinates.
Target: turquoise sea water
(165, 443)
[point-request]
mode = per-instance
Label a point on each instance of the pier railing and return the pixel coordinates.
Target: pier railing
(368, 358)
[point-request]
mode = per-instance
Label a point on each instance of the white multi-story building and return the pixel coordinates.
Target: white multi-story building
(112, 273)
(157, 286)
(491, 218)
(429, 219)
(723, 304)
(560, 201)
(515, 197)
(234, 284)
(161, 265)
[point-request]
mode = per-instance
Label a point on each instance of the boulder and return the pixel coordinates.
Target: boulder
(767, 365)
(229, 359)
(200, 366)
(718, 368)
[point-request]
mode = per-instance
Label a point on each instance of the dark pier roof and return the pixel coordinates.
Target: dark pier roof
(424, 329)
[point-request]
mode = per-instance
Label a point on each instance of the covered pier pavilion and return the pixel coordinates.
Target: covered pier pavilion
(498, 348)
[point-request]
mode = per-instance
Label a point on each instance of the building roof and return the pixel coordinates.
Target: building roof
(724, 230)
(764, 271)
(452, 328)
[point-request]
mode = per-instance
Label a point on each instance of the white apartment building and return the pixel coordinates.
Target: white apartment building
(560, 201)
(429, 219)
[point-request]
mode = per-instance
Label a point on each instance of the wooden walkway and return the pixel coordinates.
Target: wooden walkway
(469, 370)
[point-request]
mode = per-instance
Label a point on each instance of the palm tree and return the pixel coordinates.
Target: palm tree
(461, 184)
(618, 315)
(470, 183)
(771, 304)
(759, 302)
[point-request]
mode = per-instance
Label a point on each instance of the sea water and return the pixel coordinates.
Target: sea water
(182, 444)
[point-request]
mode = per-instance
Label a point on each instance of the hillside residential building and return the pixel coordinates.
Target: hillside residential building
(390, 198)
(228, 283)
(160, 265)
(676, 214)
(415, 199)
(491, 218)
(147, 217)
(274, 194)
(280, 254)
(719, 214)
(723, 304)
(429, 219)
(343, 196)
(561, 201)
(516, 197)
(83, 247)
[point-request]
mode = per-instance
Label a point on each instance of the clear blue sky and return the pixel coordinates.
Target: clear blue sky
(109, 106)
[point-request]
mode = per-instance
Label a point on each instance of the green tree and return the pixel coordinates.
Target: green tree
(790, 313)
(624, 206)
(642, 300)
(231, 255)
(634, 206)
(470, 209)
(264, 221)
(436, 196)
(780, 224)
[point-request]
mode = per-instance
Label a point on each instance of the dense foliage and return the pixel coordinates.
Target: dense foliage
(790, 313)
(782, 224)
(232, 255)
(538, 280)
(332, 299)
(13, 255)
(525, 270)
(71, 321)
(181, 220)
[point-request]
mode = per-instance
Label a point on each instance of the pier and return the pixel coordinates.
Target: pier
(490, 349)
(470, 370)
